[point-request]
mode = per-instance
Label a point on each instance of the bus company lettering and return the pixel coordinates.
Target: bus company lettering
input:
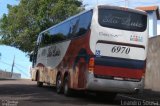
(125, 20)
(53, 51)
(108, 35)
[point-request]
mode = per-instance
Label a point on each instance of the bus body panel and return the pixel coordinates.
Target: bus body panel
(112, 71)
(51, 56)
(117, 37)
(75, 61)
(97, 84)
(72, 57)
(110, 65)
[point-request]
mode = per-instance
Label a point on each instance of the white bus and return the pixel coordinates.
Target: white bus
(102, 50)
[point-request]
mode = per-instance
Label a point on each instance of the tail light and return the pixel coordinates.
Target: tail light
(144, 70)
(91, 64)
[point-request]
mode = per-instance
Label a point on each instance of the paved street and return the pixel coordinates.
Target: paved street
(25, 93)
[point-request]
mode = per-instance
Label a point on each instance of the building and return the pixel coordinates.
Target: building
(154, 15)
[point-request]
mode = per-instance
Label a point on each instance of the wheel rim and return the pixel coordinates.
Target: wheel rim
(66, 87)
(58, 84)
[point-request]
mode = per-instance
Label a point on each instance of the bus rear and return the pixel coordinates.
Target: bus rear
(118, 40)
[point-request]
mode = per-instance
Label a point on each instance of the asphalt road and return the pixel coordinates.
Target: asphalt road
(26, 93)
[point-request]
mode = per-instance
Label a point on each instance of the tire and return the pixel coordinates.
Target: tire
(39, 84)
(67, 90)
(58, 84)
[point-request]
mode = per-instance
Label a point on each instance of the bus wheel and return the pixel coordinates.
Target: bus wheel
(39, 84)
(67, 90)
(58, 84)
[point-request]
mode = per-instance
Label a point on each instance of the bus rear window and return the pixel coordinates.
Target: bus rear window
(124, 20)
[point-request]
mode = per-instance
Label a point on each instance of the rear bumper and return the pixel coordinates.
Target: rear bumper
(107, 85)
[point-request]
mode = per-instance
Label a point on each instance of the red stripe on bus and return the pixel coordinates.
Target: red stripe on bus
(118, 72)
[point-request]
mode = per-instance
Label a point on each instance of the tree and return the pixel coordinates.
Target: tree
(21, 26)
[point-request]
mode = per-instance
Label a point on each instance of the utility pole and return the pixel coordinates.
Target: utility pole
(0, 55)
(12, 67)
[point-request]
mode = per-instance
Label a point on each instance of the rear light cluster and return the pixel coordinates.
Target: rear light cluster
(91, 64)
(144, 71)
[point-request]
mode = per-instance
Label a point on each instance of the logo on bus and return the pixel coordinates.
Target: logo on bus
(53, 51)
(98, 52)
(136, 38)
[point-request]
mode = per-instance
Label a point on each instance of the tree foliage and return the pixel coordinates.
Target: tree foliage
(21, 26)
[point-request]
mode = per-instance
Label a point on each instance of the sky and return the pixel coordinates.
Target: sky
(129, 3)
(22, 63)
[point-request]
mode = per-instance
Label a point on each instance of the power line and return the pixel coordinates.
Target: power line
(6, 68)
(15, 67)
(117, 2)
(21, 66)
(16, 63)
(11, 64)
(5, 63)
(126, 2)
(110, 3)
(16, 59)
(18, 67)
(21, 71)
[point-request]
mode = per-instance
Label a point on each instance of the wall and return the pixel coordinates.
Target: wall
(152, 23)
(152, 79)
(7, 75)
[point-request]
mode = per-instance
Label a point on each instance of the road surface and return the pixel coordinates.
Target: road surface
(26, 93)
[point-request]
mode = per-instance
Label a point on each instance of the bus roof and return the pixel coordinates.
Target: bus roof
(123, 8)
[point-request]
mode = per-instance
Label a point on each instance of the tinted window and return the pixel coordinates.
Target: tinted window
(74, 26)
(85, 22)
(60, 32)
(56, 34)
(46, 38)
(122, 20)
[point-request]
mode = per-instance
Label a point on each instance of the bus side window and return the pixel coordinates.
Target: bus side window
(45, 39)
(65, 30)
(56, 35)
(74, 23)
(60, 33)
(84, 24)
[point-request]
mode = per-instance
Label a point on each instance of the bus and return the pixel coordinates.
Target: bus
(103, 49)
